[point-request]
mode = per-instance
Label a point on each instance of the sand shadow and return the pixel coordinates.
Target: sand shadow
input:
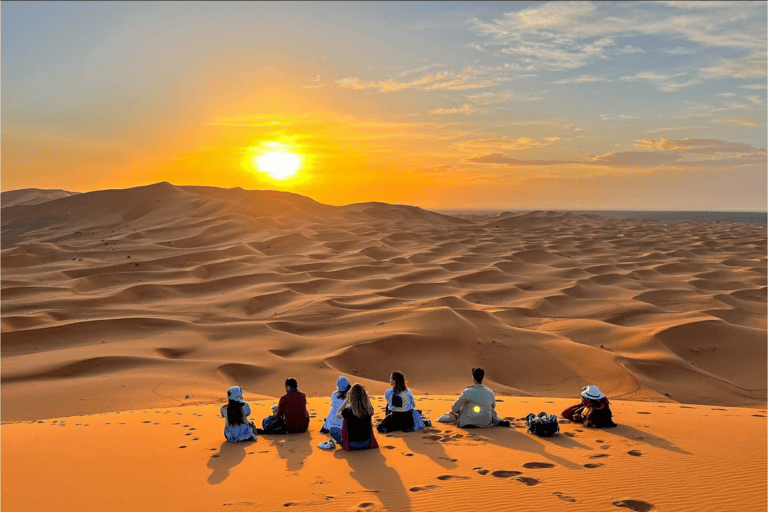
(521, 441)
(294, 448)
(229, 456)
(369, 468)
(417, 443)
(639, 435)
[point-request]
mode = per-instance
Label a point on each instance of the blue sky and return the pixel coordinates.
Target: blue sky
(658, 105)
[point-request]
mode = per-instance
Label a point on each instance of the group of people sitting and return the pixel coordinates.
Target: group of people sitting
(350, 420)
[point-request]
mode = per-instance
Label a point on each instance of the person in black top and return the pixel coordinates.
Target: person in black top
(357, 413)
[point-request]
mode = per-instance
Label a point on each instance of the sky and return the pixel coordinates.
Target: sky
(455, 105)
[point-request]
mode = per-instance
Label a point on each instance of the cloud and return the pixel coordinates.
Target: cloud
(493, 98)
(504, 143)
(663, 81)
(471, 77)
(498, 158)
(749, 66)
(754, 86)
(581, 79)
(738, 121)
(634, 159)
(315, 83)
(464, 109)
(570, 35)
(630, 49)
(702, 146)
(672, 129)
(475, 46)
(606, 117)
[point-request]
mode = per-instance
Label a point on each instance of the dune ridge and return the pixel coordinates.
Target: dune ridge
(183, 291)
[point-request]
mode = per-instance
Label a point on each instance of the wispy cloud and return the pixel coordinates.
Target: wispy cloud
(500, 159)
(581, 79)
(738, 121)
(471, 77)
(606, 117)
(495, 98)
(464, 109)
(503, 143)
(754, 86)
(749, 66)
(663, 81)
(702, 146)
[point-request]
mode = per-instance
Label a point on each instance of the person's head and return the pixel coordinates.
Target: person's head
(291, 384)
(478, 374)
(592, 393)
(235, 394)
(235, 405)
(359, 402)
(342, 385)
(397, 380)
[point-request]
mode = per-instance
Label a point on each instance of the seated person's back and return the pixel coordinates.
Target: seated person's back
(476, 405)
(293, 409)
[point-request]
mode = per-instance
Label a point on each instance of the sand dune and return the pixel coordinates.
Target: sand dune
(193, 289)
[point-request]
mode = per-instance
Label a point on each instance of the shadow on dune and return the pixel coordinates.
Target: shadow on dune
(639, 435)
(521, 441)
(435, 451)
(294, 448)
(229, 456)
(369, 468)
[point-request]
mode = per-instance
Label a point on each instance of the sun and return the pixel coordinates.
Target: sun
(279, 165)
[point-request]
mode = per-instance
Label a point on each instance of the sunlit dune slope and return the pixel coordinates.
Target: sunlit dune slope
(160, 295)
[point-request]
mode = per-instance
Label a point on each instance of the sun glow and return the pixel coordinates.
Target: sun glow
(277, 164)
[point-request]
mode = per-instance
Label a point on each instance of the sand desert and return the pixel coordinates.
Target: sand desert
(127, 313)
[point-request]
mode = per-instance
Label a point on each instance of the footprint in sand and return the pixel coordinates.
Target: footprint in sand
(538, 465)
(449, 459)
(599, 456)
(636, 505)
(481, 471)
(527, 480)
(408, 454)
(634, 453)
(758, 415)
(389, 447)
(433, 437)
(642, 412)
(422, 488)
(593, 465)
(569, 434)
(366, 504)
(452, 477)
(503, 473)
(564, 497)
(183, 446)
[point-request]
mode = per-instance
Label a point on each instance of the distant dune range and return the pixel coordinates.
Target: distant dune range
(159, 295)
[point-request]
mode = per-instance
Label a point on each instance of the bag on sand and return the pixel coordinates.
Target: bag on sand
(543, 425)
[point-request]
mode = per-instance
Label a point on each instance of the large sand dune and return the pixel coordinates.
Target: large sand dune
(163, 295)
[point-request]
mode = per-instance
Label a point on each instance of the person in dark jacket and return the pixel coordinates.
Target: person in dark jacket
(593, 411)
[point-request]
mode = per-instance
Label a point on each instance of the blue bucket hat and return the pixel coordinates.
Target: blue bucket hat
(342, 383)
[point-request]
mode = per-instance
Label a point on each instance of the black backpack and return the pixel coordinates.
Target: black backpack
(543, 425)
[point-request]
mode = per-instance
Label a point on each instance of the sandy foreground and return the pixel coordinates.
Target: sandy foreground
(661, 457)
(154, 300)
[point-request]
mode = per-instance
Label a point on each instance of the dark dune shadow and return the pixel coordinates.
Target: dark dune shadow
(522, 441)
(294, 448)
(229, 456)
(416, 443)
(639, 435)
(369, 468)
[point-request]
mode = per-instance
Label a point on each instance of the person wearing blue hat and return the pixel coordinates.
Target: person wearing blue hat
(236, 424)
(333, 424)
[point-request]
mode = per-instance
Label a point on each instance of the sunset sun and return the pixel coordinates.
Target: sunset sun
(278, 165)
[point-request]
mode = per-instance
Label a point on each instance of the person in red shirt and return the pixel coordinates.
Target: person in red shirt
(291, 415)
